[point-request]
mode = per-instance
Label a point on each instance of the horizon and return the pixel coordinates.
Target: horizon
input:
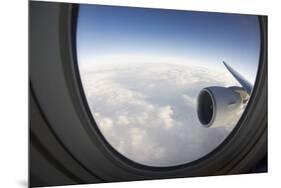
(201, 37)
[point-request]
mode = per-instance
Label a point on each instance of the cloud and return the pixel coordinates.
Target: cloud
(147, 112)
(190, 101)
(137, 136)
(123, 120)
(165, 114)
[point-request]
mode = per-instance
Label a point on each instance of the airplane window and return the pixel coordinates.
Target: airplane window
(166, 87)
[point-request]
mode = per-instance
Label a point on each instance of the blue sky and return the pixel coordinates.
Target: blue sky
(207, 38)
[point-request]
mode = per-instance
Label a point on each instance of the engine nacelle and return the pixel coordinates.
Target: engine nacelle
(219, 106)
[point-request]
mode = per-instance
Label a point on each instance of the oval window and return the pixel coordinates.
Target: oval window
(166, 87)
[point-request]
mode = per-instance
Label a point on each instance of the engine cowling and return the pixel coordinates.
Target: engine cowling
(219, 106)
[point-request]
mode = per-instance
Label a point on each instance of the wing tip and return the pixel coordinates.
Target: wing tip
(244, 83)
(227, 66)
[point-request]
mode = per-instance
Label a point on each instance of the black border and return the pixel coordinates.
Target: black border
(244, 147)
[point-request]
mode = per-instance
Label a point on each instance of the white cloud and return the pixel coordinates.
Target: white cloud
(123, 120)
(190, 101)
(106, 124)
(137, 136)
(165, 114)
(148, 111)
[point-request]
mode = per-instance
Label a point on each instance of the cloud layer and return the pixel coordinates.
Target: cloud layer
(147, 111)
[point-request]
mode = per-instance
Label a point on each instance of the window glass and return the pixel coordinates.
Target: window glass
(144, 70)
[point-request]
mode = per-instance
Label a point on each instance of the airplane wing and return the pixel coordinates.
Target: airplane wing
(244, 83)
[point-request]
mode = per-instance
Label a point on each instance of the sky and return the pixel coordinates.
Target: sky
(142, 71)
(105, 33)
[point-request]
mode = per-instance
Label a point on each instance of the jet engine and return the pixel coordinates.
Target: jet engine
(219, 106)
